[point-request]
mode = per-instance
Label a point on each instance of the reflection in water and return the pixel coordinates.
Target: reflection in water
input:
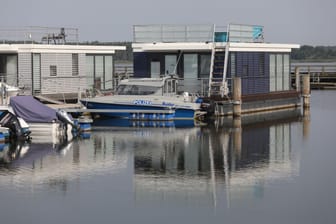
(185, 162)
(54, 165)
(240, 155)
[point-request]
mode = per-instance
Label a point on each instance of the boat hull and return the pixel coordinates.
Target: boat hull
(139, 111)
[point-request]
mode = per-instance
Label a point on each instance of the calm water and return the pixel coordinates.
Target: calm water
(271, 168)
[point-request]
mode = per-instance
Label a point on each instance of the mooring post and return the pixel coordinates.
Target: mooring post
(237, 137)
(306, 123)
(297, 79)
(236, 96)
(306, 90)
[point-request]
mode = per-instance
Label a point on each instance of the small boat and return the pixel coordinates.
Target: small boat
(12, 127)
(147, 99)
(44, 122)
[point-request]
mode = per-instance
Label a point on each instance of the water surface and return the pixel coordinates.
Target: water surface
(269, 168)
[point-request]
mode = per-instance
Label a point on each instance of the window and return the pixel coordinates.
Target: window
(287, 78)
(75, 64)
(100, 71)
(170, 64)
(90, 70)
(155, 69)
(205, 61)
(279, 72)
(53, 70)
(272, 72)
(36, 70)
(262, 64)
(190, 72)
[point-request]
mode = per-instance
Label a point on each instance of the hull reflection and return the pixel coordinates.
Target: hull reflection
(48, 165)
(187, 163)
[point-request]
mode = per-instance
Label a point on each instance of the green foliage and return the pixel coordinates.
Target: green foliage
(318, 53)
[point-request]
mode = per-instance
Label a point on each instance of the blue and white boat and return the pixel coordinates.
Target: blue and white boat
(147, 99)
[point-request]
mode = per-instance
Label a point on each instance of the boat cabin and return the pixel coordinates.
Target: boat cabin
(162, 86)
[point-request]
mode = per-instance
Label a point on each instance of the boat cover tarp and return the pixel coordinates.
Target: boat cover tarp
(32, 110)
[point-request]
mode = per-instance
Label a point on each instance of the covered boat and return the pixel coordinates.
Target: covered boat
(44, 122)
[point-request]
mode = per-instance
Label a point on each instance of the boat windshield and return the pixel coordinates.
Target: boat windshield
(136, 90)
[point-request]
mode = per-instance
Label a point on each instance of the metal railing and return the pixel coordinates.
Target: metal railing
(173, 33)
(9, 78)
(38, 34)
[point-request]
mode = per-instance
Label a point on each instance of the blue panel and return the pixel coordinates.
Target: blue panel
(257, 32)
(257, 79)
(220, 36)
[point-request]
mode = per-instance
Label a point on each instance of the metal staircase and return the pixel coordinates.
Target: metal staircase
(218, 70)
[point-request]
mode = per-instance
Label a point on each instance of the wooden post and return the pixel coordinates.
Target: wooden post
(236, 96)
(237, 137)
(297, 79)
(306, 91)
(306, 123)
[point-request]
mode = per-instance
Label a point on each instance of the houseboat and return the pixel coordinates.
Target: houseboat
(52, 63)
(207, 58)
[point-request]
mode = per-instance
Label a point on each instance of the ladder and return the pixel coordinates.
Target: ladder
(218, 70)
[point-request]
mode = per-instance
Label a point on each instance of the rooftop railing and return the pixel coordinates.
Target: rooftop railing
(173, 33)
(37, 34)
(197, 33)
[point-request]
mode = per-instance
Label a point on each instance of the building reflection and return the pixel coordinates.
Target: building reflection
(56, 164)
(189, 162)
(238, 155)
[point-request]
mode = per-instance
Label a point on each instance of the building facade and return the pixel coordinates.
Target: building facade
(202, 54)
(46, 69)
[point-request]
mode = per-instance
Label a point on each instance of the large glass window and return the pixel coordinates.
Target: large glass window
(108, 72)
(279, 72)
(90, 70)
(286, 71)
(99, 71)
(11, 69)
(205, 60)
(36, 73)
(170, 64)
(272, 73)
(155, 69)
(190, 72)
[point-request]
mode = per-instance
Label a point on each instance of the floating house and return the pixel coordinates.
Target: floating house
(207, 58)
(56, 66)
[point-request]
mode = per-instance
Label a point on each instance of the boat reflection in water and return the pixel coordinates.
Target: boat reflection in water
(55, 165)
(168, 161)
(228, 159)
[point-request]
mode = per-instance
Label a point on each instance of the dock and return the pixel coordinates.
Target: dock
(322, 74)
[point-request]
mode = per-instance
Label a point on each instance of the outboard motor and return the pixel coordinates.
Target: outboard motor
(18, 127)
(63, 116)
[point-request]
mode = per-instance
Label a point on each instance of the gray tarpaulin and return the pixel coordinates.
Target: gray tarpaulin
(32, 110)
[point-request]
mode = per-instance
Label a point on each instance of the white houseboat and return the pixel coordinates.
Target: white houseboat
(44, 62)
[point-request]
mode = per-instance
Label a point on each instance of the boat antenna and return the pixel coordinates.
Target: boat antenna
(178, 60)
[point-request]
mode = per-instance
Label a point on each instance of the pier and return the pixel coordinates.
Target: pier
(322, 74)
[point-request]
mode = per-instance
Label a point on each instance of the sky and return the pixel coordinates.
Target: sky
(310, 22)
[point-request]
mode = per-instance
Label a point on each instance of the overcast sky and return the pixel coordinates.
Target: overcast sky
(285, 21)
